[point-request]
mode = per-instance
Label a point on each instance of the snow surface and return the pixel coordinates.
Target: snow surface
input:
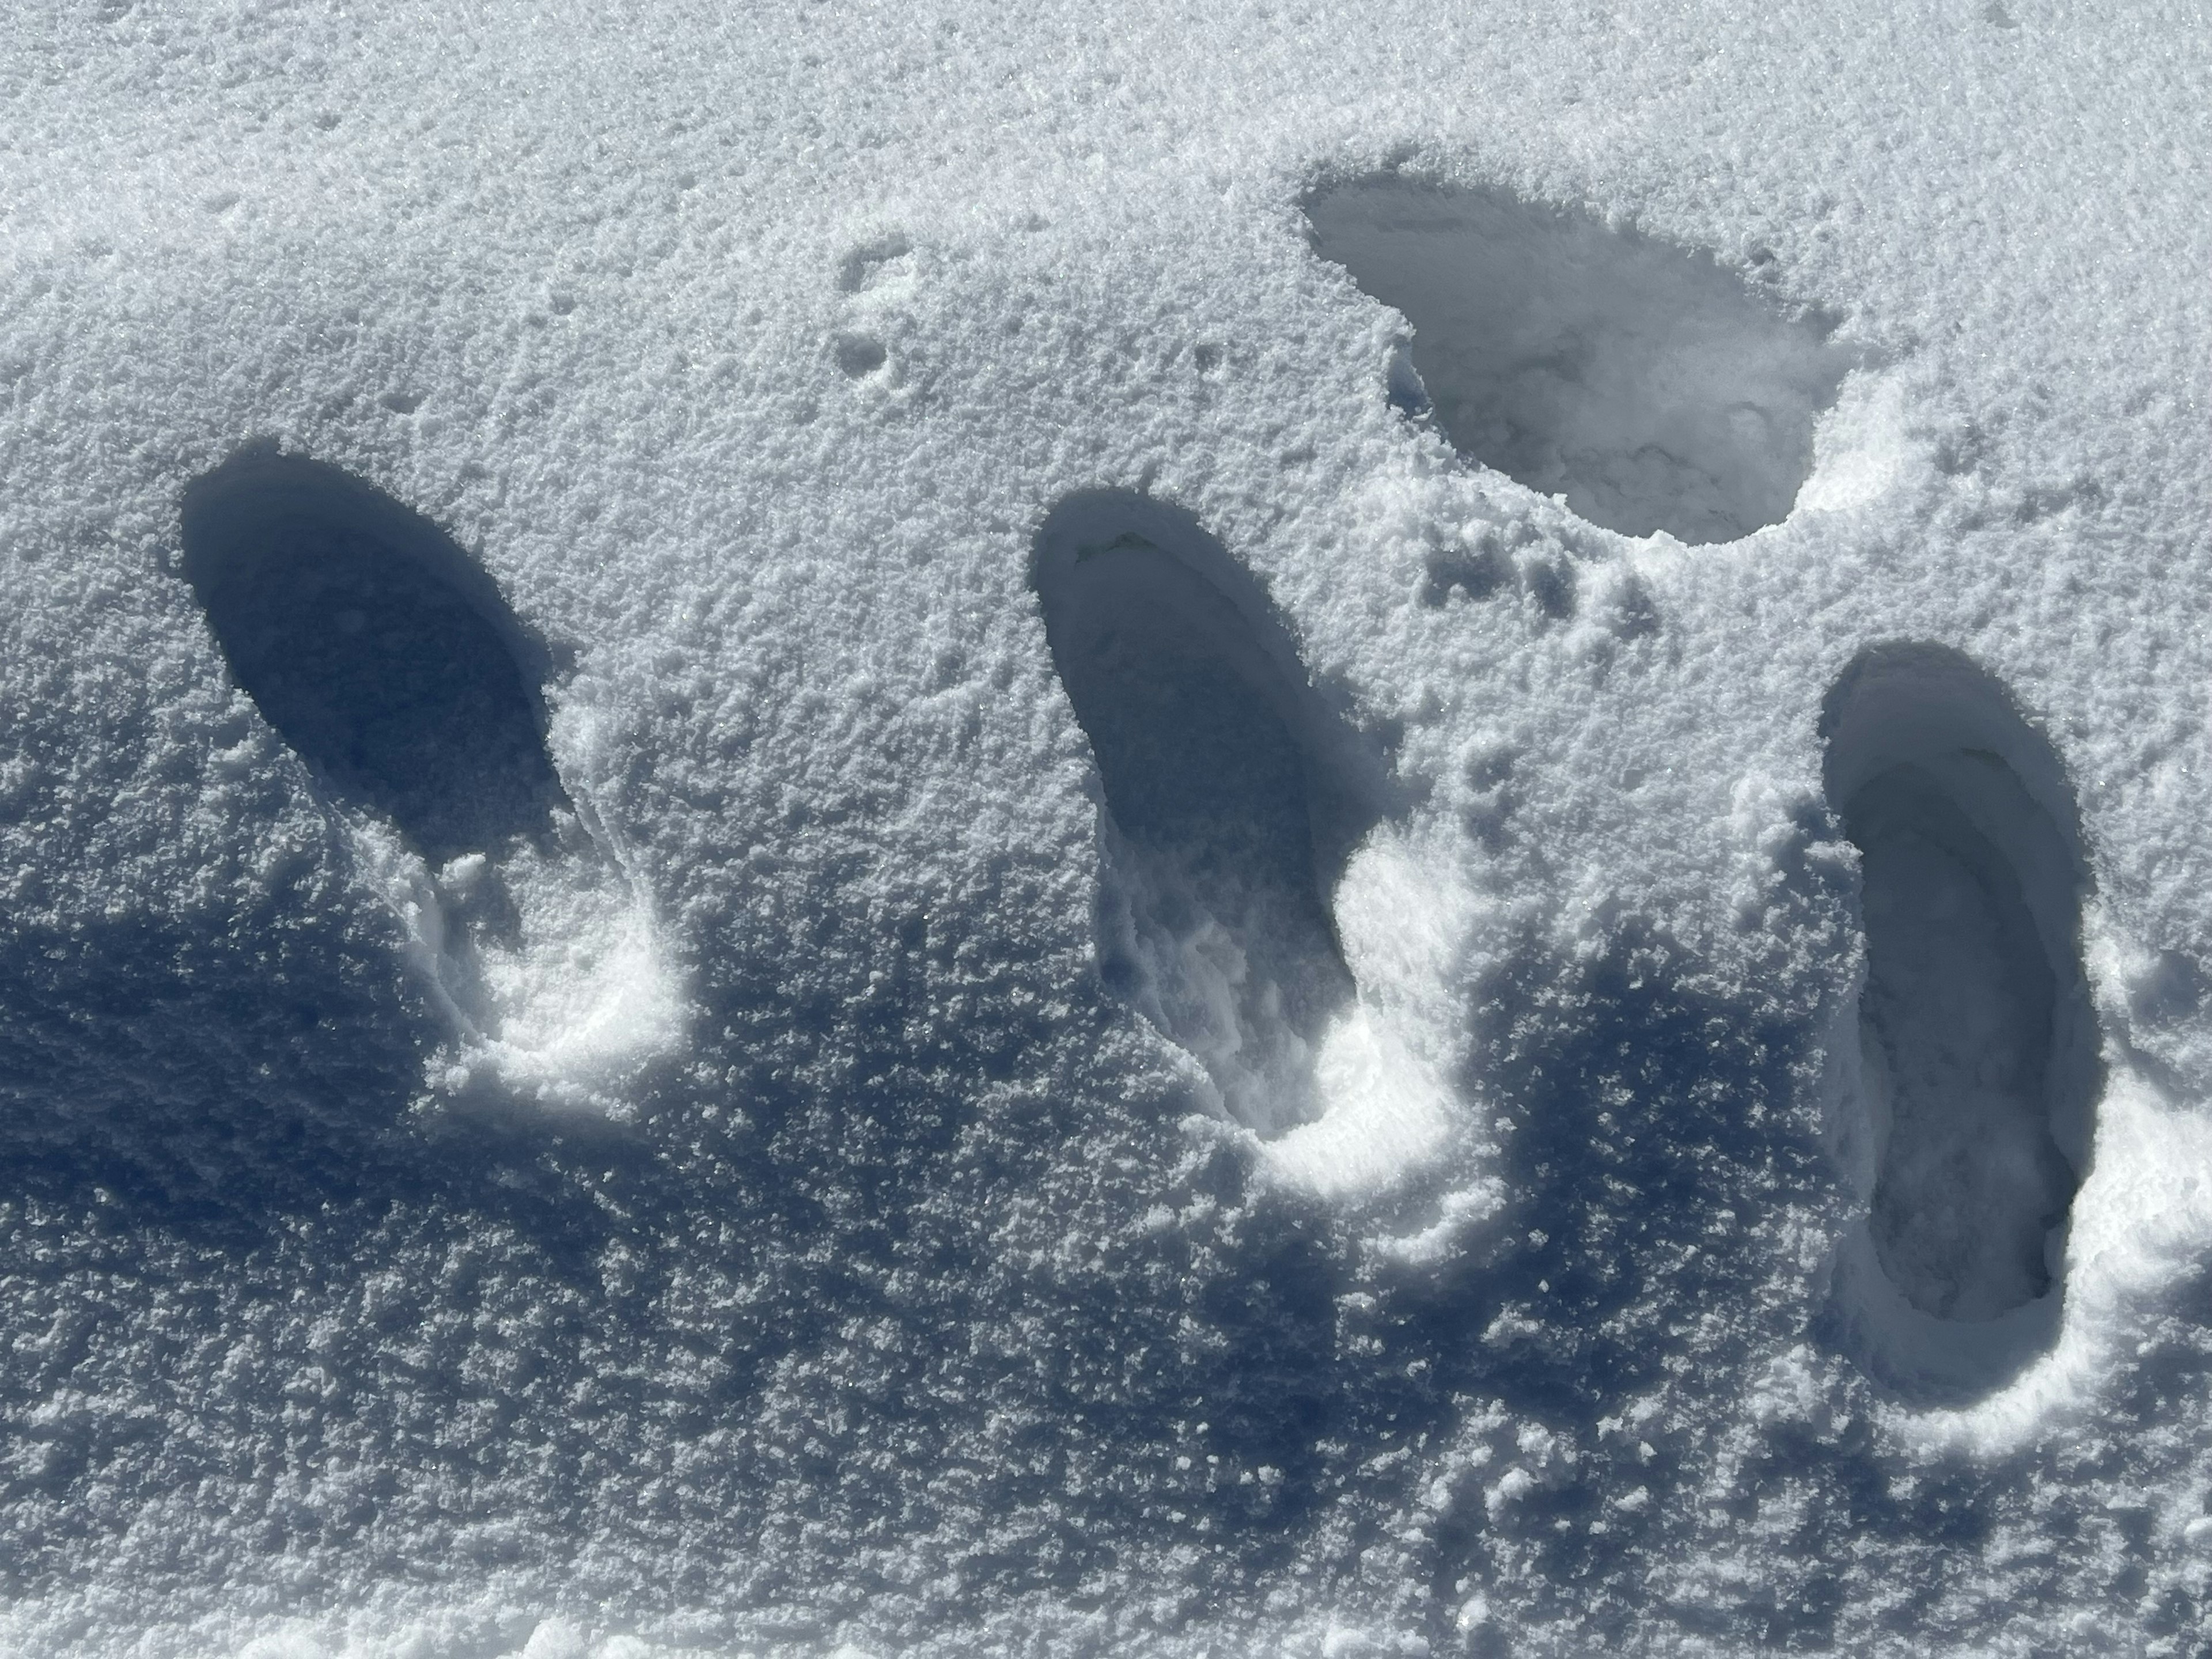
(896, 829)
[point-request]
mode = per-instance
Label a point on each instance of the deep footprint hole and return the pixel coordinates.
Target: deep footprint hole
(379, 650)
(1644, 383)
(1233, 795)
(1979, 1043)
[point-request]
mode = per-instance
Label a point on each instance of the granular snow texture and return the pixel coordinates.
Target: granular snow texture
(910, 829)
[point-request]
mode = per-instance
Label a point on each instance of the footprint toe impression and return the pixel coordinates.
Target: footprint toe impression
(1233, 796)
(387, 660)
(1979, 1046)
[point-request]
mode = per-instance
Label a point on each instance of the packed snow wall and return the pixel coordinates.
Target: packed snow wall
(903, 832)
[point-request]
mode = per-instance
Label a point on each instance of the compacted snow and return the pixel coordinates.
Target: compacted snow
(845, 830)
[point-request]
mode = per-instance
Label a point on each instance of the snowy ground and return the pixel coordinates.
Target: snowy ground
(932, 830)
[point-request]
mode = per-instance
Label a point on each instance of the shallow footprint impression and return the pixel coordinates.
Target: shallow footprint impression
(1645, 384)
(386, 659)
(1978, 1063)
(1233, 797)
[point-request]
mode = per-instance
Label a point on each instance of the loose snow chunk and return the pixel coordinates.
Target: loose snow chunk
(1978, 1049)
(1642, 382)
(1233, 797)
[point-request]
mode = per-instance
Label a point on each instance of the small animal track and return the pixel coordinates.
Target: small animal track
(1543, 573)
(860, 356)
(1643, 383)
(1233, 796)
(1978, 1044)
(1478, 571)
(863, 266)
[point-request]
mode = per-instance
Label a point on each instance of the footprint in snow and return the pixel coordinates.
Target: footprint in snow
(1234, 798)
(1647, 384)
(1978, 1046)
(387, 660)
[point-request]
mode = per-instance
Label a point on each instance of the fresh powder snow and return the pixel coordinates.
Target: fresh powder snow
(1321, 831)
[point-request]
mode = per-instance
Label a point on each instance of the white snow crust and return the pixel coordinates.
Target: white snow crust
(1313, 830)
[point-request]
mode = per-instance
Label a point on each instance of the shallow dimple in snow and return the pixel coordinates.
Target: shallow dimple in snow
(859, 355)
(1641, 382)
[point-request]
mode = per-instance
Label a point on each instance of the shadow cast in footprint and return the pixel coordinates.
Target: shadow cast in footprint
(1966, 1118)
(1233, 797)
(380, 652)
(1642, 382)
(387, 661)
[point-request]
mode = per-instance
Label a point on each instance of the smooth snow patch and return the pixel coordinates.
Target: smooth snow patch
(1976, 1063)
(1647, 386)
(387, 660)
